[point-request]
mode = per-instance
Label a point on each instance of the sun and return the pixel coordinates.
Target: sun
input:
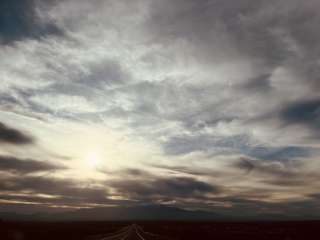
(93, 160)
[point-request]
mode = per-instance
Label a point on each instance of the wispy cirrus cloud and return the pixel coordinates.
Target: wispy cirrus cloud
(216, 100)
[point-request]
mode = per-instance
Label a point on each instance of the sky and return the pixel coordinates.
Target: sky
(205, 105)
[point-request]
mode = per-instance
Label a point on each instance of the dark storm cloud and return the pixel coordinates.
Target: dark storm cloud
(19, 20)
(13, 136)
(305, 112)
(23, 166)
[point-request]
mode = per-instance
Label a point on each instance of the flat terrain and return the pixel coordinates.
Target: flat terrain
(159, 230)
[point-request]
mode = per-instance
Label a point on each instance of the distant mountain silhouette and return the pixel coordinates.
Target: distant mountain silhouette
(149, 212)
(143, 213)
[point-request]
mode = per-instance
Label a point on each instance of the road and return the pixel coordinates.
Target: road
(131, 232)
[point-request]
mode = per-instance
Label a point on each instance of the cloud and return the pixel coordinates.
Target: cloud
(185, 170)
(66, 190)
(246, 165)
(258, 209)
(153, 188)
(203, 83)
(108, 73)
(204, 142)
(273, 168)
(24, 166)
(305, 112)
(61, 201)
(20, 20)
(139, 185)
(278, 173)
(236, 144)
(259, 84)
(13, 136)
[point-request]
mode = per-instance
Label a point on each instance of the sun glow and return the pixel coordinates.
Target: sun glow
(93, 160)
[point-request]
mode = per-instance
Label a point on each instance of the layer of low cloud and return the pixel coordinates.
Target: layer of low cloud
(23, 166)
(154, 188)
(14, 136)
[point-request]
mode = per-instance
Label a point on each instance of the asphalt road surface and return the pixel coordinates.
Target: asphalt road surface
(131, 232)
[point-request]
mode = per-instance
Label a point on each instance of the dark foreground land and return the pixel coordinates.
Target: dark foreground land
(159, 230)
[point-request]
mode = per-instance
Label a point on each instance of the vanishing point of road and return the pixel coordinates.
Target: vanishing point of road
(131, 232)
